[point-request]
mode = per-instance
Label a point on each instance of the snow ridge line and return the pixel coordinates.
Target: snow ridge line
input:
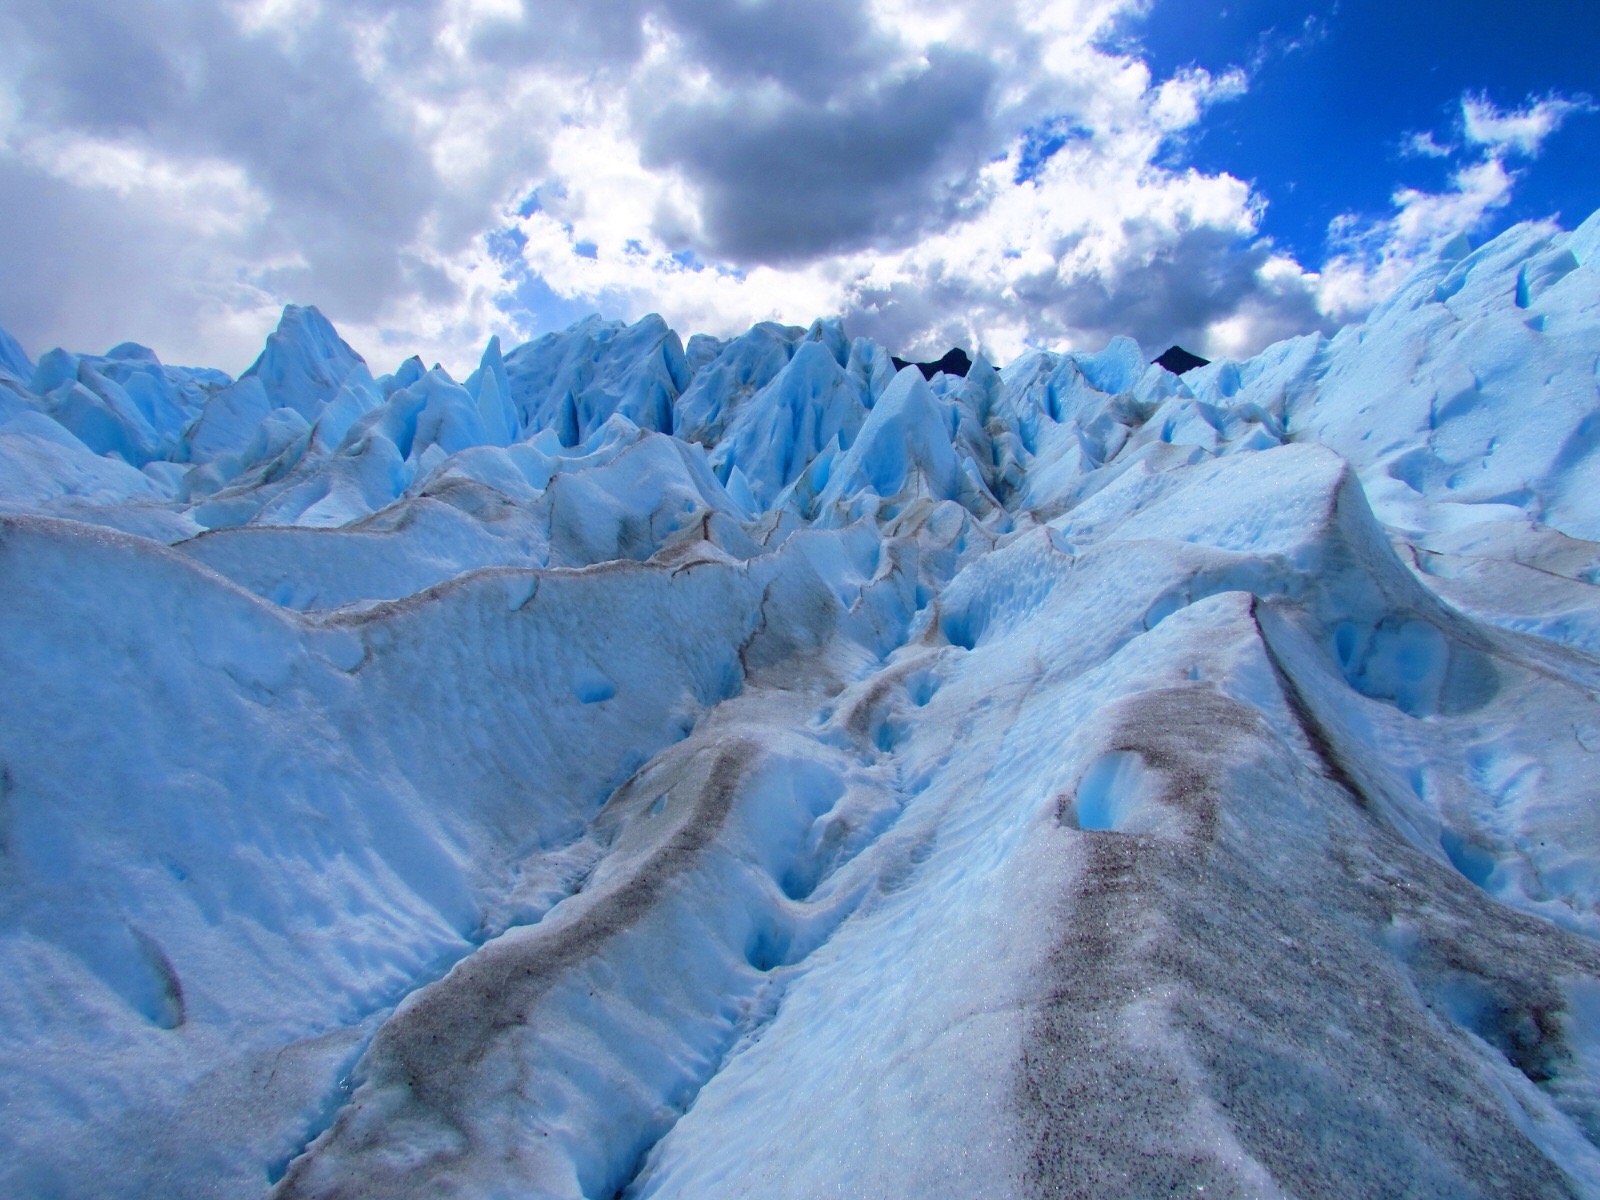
(419, 1049)
(423, 1053)
(350, 1075)
(1321, 743)
(857, 723)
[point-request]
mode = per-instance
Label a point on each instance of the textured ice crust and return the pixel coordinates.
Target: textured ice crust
(743, 769)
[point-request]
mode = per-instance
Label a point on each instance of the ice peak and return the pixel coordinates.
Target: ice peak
(13, 359)
(304, 361)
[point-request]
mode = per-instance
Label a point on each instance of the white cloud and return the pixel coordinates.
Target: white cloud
(1424, 145)
(1369, 258)
(211, 196)
(1179, 102)
(1075, 255)
(1522, 130)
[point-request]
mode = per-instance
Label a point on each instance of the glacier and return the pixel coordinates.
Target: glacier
(745, 768)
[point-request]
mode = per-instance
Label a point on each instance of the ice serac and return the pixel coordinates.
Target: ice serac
(903, 452)
(357, 396)
(739, 369)
(304, 363)
(809, 405)
(491, 388)
(573, 381)
(229, 420)
(14, 360)
(744, 769)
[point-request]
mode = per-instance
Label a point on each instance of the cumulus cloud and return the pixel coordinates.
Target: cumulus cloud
(180, 82)
(349, 155)
(1004, 200)
(782, 179)
(1100, 242)
(431, 171)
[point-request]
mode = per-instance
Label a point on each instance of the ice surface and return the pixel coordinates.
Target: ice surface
(14, 360)
(742, 769)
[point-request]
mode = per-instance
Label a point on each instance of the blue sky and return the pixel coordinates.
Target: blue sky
(998, 174)
(1336, 85)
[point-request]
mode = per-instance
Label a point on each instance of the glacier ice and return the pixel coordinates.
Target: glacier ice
(742, 768)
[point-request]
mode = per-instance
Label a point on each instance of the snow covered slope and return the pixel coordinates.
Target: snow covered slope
(745, 769)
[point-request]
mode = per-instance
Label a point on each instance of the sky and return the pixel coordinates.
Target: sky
(998, 174)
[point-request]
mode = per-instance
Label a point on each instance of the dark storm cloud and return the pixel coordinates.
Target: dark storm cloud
(1167, 296)
(808, 48)
(1194, 279)
(848, 147)
(100, 67)
(811, 49)
(571, 37)
(785, 180)
(348, 189)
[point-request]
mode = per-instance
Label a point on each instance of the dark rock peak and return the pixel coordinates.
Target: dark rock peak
(954, 362)
(1178, 360)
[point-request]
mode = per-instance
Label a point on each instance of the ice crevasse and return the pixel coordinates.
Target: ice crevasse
(743, 768)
